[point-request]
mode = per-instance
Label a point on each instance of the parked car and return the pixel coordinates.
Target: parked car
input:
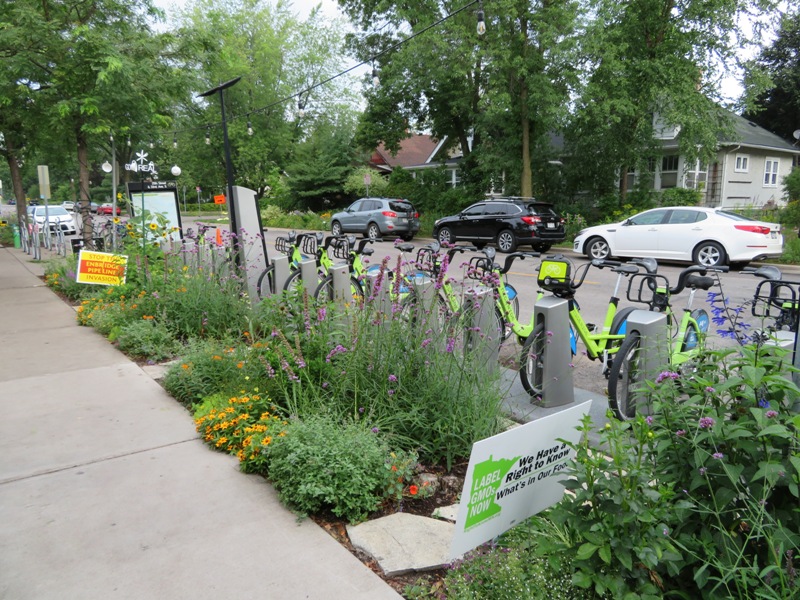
(376, 217)
(507, 222)
(108, 209)
(68, 205)
(57, 217)
(705, 236)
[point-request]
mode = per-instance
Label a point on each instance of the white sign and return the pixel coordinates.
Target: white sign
(514, 475)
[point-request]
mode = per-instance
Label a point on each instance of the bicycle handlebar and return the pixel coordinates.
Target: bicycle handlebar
(517, 255)
(699, 269)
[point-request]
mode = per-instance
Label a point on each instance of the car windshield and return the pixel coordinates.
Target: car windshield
(52, 211)
(400, 206)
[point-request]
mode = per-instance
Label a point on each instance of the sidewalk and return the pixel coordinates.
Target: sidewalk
(107, 492)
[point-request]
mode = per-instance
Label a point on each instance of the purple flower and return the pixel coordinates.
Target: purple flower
(665, 531)
(702, 470)
(771, 414)
(391, 392)
(706, 422)
(710, 390)
(321, 313)
(392, 378)
(649, 420)
(325, 385)
(717, 455)
(680, 432)
(763, 403)
(425, 342)
(666, 375)
(375, 430)
(361, 409)
(339, 349)
(451, 344)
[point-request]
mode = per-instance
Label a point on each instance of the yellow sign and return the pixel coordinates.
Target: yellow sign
(101, 268)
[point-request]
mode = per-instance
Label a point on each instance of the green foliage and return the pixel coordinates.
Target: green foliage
(573, 224)
(792, 184)
(147, 339)
(60, 277)
(511, 570)
(681, 197)
(700, 498)
(355, 186)
(274, 216)
(323, 463)
(6, 235)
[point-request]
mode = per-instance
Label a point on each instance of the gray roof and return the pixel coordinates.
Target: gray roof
(748, 133)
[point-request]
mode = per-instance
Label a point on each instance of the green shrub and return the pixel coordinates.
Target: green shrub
(322, 463)
(700, 498)
(681, 197)
(6, 235)
(60, 277)
(147, 338)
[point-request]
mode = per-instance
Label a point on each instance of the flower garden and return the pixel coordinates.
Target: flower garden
(701, 499)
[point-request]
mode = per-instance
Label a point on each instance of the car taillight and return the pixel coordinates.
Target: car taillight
(563, 221)
(416, 215)
(532, 220)
(389, 213)
(754, 228)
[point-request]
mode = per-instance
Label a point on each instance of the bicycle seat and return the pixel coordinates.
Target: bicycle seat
(405, 247)
(627, 269)
(702, 282)
(649, 264)
(368, 251)
(768, 272)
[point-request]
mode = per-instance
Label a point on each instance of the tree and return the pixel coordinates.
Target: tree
(650, 58)
(777, 108)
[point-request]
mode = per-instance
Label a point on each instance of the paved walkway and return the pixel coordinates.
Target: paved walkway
(107, 492)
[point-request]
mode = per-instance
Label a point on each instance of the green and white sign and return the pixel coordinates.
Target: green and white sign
(514, 475)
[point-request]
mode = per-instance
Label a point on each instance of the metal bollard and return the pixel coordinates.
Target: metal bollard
(654, 350)
(308, 270)
(482, 335)
(341, 284)
(280, 274)
(558, 388)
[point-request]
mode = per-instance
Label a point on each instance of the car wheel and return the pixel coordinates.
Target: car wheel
(506, 242)
(336, 228)
(445, 236)
(597, 248)
(373, 232)
(407, 237)
(709, 254)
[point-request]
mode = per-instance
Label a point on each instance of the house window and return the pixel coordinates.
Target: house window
(695, 176)
(742, 163)
(455, 177)
(669, 171)
(771, 172)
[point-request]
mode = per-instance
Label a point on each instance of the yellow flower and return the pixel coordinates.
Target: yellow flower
(153, 226)
(128, 226)
(116, 220)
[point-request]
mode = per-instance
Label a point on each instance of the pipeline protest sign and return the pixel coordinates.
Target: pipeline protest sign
(101, 268)
(514, 475)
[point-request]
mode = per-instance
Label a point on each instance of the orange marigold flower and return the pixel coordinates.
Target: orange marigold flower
(239, 365)
(184, 366)
(216, 357)
(412, 489)
(394, 468)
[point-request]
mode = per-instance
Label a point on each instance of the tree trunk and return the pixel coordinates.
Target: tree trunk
(83, 185)
(16, 179)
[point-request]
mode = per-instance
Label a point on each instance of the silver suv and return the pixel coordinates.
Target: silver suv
(377, 217)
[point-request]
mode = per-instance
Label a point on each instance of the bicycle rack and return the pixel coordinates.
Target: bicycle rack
(379, 298)
(558, 388)
(341, 283)
(308, 270)
(653, 350)
(280, 274)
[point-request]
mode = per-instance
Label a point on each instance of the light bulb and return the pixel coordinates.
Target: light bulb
(208, 136)
(481, 23)
(375, 79)
(175, 141)
(249, 128)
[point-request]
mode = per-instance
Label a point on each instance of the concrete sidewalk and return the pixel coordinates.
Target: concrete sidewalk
(107, 492)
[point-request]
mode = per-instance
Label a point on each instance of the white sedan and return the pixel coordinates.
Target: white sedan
(704, 236)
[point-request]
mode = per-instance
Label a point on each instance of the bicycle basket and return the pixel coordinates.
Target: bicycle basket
(427, 259)
(341, 248)
(282, 245)
(479, 267)
(310, 245)
(774, 299)
(647, 288)
(555, 275)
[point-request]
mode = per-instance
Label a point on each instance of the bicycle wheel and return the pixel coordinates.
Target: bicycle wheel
(266, 283)
(325, 291)
(531, 362)
(294, 283)
(623, 378)
(691, 339)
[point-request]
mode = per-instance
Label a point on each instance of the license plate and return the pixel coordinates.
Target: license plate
(551, 225)
(773, 235)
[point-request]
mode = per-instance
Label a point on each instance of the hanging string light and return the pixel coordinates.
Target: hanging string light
(152, 144)
(129, 141)
(249, 128)
(301, 108)
(174, 140)
(208, 136)
(376, 81)
(481, 20)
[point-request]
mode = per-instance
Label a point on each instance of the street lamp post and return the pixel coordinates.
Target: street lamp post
(228, 162)
(112, 168)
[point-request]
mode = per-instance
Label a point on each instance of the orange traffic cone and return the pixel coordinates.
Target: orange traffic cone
(219, 237)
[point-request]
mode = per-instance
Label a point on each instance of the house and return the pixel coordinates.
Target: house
(748, 171)
(417, 154)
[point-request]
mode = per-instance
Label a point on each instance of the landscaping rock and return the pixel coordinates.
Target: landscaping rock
(402, 542)
(448, 513)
